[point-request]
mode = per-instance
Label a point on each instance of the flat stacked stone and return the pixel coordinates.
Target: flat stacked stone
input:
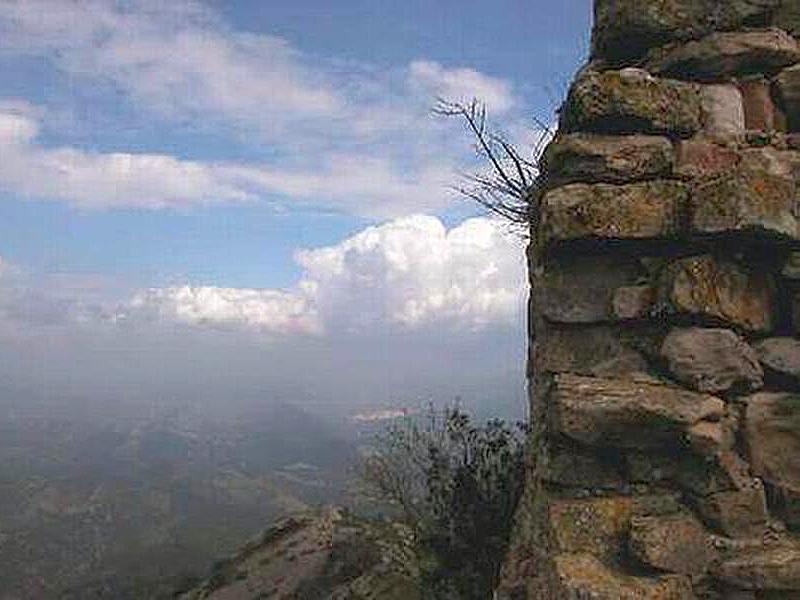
(665, 313)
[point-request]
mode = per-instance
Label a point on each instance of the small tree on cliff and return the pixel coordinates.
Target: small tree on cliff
(506, 187)
(456, 485)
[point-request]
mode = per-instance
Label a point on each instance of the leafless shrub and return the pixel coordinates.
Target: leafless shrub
(506, 188)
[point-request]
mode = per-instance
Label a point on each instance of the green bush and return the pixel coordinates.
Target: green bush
(456, 484)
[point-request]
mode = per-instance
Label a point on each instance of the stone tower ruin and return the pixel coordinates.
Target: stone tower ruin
(665, 314)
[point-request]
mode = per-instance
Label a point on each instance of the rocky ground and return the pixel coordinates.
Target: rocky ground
(325, 554)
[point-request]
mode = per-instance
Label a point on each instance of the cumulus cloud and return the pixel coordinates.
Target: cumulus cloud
(408, 274)
(344, 136)
(264, 311)
(29, 300)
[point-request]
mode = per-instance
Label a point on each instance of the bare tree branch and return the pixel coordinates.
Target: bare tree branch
(506, 189)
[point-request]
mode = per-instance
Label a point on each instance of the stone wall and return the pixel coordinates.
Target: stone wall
(665, 308)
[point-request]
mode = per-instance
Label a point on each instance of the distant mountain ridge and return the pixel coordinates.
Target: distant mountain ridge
(128, 509)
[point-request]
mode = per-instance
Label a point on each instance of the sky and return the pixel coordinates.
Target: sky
(251, 198)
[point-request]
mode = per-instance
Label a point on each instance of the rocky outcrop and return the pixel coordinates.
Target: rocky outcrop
(665, 311)
(321, 554)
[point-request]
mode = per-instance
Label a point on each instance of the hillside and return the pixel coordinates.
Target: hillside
(130, 508)
(327, 553)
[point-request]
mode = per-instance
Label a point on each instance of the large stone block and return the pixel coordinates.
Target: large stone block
(719, 290)
(747, 201)
(700, 158)
(772, 436)
(625, 413)
(781, 360)
(788, 83)
(737, 514)
(596, 526)
(582, 576)
(633, 302)
(791, 266)
(712, 360)
(697, 475)
(720, 56)
(648, 210)
(787, 17)
(759, 109)
(723, 111)
(767, 568)
(581, 289)
(602, 351)
(591, 158)
(631, 101)
(569, 468)
(628, 28)
(772, 429)
(675, 544)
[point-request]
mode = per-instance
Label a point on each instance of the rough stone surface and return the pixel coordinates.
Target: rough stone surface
(698, 475)
(596, 526)
(781, 359)
(609, 159)
(633, 211)
(582, 576)
(582, 290)
(746, 200)
(633, 302)
(759, 110)
(723, 110)
(788, 84)
(719, 290)
(726, 472)
(771, 568)
(631, 100)
(772, 427)
(628, 28)
(737, 514)
(712, 360)
(704, 159)
(726, 54)
(608, 412)
(571, 468)
(675, 544)
(787, 17)
(662, 266)
(791, 267)
(602, 351)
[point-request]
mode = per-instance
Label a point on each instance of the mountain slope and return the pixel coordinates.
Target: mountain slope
(327, 553)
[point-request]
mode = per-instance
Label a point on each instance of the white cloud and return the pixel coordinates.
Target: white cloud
(358, 184)
(340, 135)
(176, 57)
(180, 59)
(264, 311)
(89, 179)
(461, 85)
(406, 275)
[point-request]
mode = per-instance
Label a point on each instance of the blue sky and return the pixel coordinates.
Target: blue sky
(267, 167)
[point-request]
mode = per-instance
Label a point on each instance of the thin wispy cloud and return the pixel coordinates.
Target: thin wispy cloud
(342, 136)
